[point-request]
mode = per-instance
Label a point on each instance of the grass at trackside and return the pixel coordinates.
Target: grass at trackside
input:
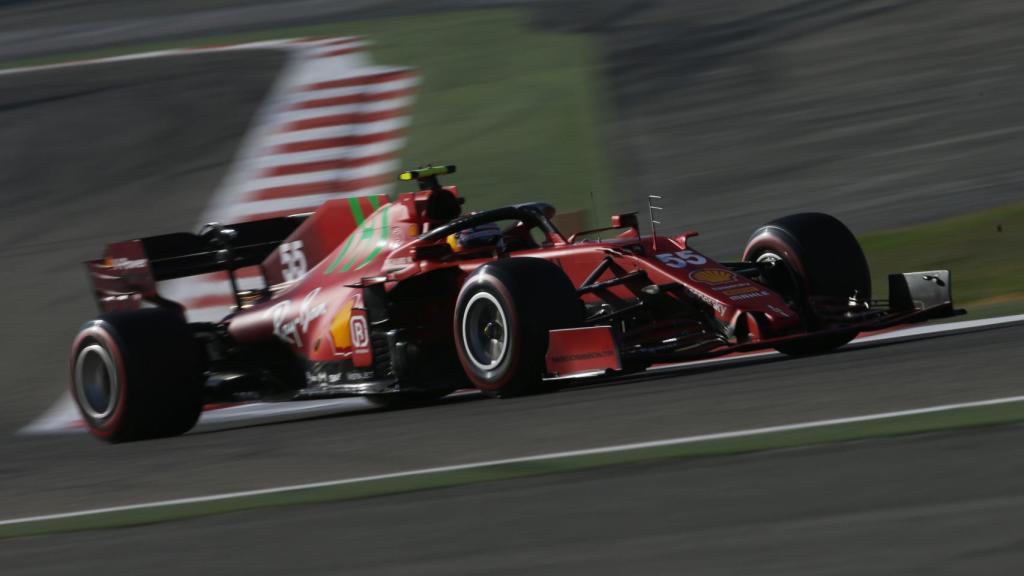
(987, 264)
(995, 309)
(921, 423)
(516, 108)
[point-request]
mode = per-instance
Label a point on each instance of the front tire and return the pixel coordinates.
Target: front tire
(137, 375)
(812, 257)
(502, 317)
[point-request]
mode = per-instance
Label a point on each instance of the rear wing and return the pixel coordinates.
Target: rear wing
(127, 274)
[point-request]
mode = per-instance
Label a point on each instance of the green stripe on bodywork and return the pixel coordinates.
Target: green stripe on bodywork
(344, 250)
(366, 234)
(357, 210)
(380, 245)
(374, 202)
(357, 214)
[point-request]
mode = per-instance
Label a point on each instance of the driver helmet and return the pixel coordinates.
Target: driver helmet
(483, 235)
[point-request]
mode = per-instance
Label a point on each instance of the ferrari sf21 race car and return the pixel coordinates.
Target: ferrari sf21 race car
(405, 301)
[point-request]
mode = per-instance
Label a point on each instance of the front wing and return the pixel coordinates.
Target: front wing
(913, 297)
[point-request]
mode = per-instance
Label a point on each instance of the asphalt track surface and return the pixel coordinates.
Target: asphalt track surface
(47, 474)
(934, 504)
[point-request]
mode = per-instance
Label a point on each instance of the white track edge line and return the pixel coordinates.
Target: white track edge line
(284, 44)
(535, 458)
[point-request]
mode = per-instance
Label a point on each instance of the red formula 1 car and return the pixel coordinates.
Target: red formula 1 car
(404, 301)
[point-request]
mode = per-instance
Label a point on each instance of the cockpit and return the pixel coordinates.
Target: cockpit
(507, 229)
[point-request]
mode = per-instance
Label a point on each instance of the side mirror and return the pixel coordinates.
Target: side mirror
(619, 221)
(628, 220)
(432, 251)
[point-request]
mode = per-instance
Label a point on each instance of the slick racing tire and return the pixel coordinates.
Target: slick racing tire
(814, 256)
(502, 317)
(137, 374)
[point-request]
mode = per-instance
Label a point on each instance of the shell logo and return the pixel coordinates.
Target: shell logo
(713, 276)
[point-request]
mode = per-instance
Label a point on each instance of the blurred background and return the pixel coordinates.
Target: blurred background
(903, 118)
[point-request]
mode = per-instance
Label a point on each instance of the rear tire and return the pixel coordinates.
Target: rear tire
(137, 374)
(502, 317)
(815, 256)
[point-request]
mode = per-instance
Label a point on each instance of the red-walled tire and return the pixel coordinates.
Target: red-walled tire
(137, 375)
(502, 317)
(815, 255)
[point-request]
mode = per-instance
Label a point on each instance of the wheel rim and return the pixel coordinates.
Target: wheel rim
(96, 382)
(485, 331)
(768, 257)
(788, 287)
(785, 281)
